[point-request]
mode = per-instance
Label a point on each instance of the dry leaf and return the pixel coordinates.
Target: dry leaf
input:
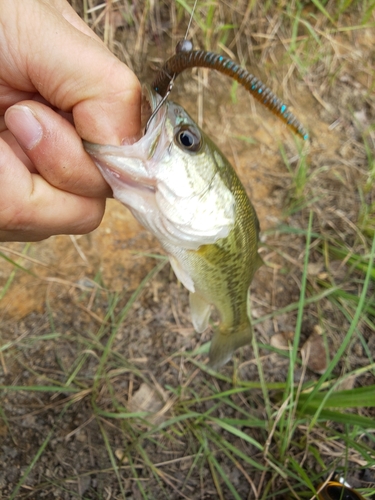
(119, 454)
(146, 399)
(279, 341)
(314, 268)
(314, 353)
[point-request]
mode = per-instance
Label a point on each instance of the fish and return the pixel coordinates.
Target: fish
(180, 186)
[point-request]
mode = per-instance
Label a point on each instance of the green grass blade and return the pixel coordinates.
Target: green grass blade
(351, 329)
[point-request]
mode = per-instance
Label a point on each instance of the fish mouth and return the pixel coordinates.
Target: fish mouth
(130, 169)
(132, 165)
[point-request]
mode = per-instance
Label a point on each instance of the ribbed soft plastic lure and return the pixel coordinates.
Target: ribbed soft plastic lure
(185, 58)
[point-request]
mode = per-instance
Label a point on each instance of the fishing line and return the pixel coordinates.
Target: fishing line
(183, 46)
(191, 19)
(165, 97)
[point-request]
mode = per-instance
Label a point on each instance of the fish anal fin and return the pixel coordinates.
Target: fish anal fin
(200, 311)
(224, 343)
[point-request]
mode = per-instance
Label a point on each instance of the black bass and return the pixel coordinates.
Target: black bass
(179, 185)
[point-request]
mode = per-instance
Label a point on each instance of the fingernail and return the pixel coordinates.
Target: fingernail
(23, 124)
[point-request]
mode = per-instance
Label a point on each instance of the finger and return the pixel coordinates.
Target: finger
(55, 149)
(31, 209)
(73, 18)
(9, 138)
(73, 71)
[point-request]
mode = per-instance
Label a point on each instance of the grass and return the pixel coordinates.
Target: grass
(105, 392)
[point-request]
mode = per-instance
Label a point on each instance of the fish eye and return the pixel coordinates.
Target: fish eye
(188, 138)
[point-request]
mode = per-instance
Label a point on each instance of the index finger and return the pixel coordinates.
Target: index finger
(71, 70)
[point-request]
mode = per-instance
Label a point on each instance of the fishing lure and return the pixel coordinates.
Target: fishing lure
(185, 58)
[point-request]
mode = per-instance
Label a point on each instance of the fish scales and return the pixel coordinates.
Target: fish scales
(225, 269)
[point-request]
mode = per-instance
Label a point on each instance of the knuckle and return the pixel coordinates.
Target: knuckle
(92, 218)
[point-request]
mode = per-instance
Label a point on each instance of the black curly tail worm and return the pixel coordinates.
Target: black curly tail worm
(187, 58)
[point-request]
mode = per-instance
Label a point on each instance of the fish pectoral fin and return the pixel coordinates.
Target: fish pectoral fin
(200, 311)
(181, 274)
(224, 343)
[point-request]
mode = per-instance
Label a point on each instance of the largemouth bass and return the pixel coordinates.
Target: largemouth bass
(179, 185)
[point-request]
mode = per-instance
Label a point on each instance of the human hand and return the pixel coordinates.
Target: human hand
(54, 70)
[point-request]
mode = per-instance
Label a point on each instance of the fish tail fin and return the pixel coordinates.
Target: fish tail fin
(225, 342)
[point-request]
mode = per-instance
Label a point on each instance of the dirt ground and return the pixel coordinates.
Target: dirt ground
(59, 311)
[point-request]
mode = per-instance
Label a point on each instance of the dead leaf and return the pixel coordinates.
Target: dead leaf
(347, 383)
(119, 453)
(282, 340)
(314, 268)
(146, 399)
(314, 353)
(279, 341)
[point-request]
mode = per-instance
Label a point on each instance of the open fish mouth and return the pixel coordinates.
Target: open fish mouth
(140, 156)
